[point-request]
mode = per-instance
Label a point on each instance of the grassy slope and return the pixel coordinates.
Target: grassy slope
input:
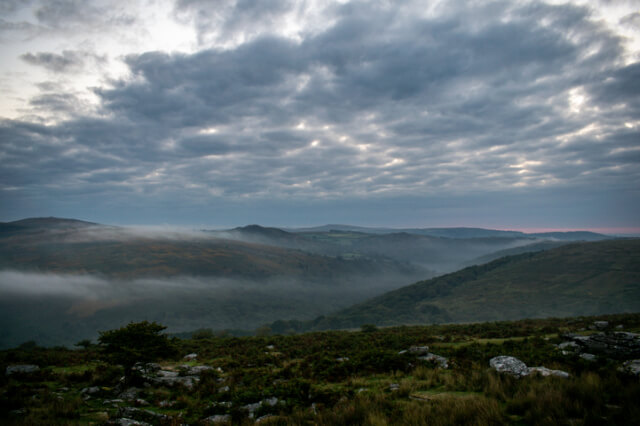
(577, 279)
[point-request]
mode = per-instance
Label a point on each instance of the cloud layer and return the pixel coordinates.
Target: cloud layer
(299, 103)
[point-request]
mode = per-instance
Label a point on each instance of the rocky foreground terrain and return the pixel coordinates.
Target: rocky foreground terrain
(576, 370)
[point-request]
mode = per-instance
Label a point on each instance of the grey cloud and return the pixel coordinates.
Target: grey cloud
(382, 101)
(10, 6)
(60, 14)
(225, 20)
(67, 61)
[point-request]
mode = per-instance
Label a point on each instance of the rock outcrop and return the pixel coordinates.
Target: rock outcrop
(514, 367)
(620, 345)
(186, 375)
(509, 365)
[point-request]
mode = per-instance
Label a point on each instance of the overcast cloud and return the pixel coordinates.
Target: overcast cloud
(502, 114)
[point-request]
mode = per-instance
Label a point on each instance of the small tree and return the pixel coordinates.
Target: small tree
(136, 342)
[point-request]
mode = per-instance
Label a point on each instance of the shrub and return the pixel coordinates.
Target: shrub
(136, 342)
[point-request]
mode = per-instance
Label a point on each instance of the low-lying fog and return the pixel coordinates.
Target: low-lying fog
(57, 309)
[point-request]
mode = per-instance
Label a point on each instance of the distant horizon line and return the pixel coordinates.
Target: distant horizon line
(613, 231)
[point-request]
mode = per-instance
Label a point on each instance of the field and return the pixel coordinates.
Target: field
(336, 377)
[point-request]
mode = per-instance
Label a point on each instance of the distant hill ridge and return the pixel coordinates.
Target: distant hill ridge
(577, 279)
(457, 232)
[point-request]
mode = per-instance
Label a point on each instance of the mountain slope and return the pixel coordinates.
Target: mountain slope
(575, 279)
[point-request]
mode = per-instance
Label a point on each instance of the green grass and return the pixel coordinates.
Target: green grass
(303, 372)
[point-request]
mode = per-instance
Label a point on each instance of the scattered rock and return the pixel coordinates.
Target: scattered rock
(617, 344)
(588, 357)
(270, 347)
(145, 369)
(196, 370)
(418, 350)
(141, 402)
(394, 386)
(568, 346)
(129, 394)
(166, 404)
(509, 365)
(127, 422)
(631, 366)
(263, 418)
(517, 368)
(599, 325)
(142, 415)
(90, 390)
(154, 375)
(270, 401)
(218, 418)
(342, 359)
(190, 357)
(224, 389)
(440, 361)
(21, 369)
(544, 371)
(251, 408)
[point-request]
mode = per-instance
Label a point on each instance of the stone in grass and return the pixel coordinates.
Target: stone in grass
(509, 365)
(127, 422)
(440, 361)
(544, 371)
(218, 418)
(631, 366)
(190, 357)
(90, 390)
(142, 415)
(21, 369)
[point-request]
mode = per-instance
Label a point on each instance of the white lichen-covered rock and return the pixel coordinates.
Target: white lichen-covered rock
(440, 361)
(631, 366)
(544, 371)
(190, 357)
(21, 369)
(572, 346)
(509, 365)
(128, 422)
(418, 350)
(218, 418)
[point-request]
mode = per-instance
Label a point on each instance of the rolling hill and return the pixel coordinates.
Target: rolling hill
(576, 279)
(69, 246)
(434, 253)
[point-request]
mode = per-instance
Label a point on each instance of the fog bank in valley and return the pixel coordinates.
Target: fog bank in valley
(56, 309)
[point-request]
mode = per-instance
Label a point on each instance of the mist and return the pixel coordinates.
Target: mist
(54, 309)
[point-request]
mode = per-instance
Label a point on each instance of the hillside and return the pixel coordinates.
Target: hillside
(435, 253)
(70, 246)
(458, 232)
(576, 279)
(62, 280)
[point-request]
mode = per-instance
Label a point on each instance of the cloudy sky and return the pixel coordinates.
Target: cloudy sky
(501, 114)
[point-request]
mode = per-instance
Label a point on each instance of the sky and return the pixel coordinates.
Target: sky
(501, 114)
